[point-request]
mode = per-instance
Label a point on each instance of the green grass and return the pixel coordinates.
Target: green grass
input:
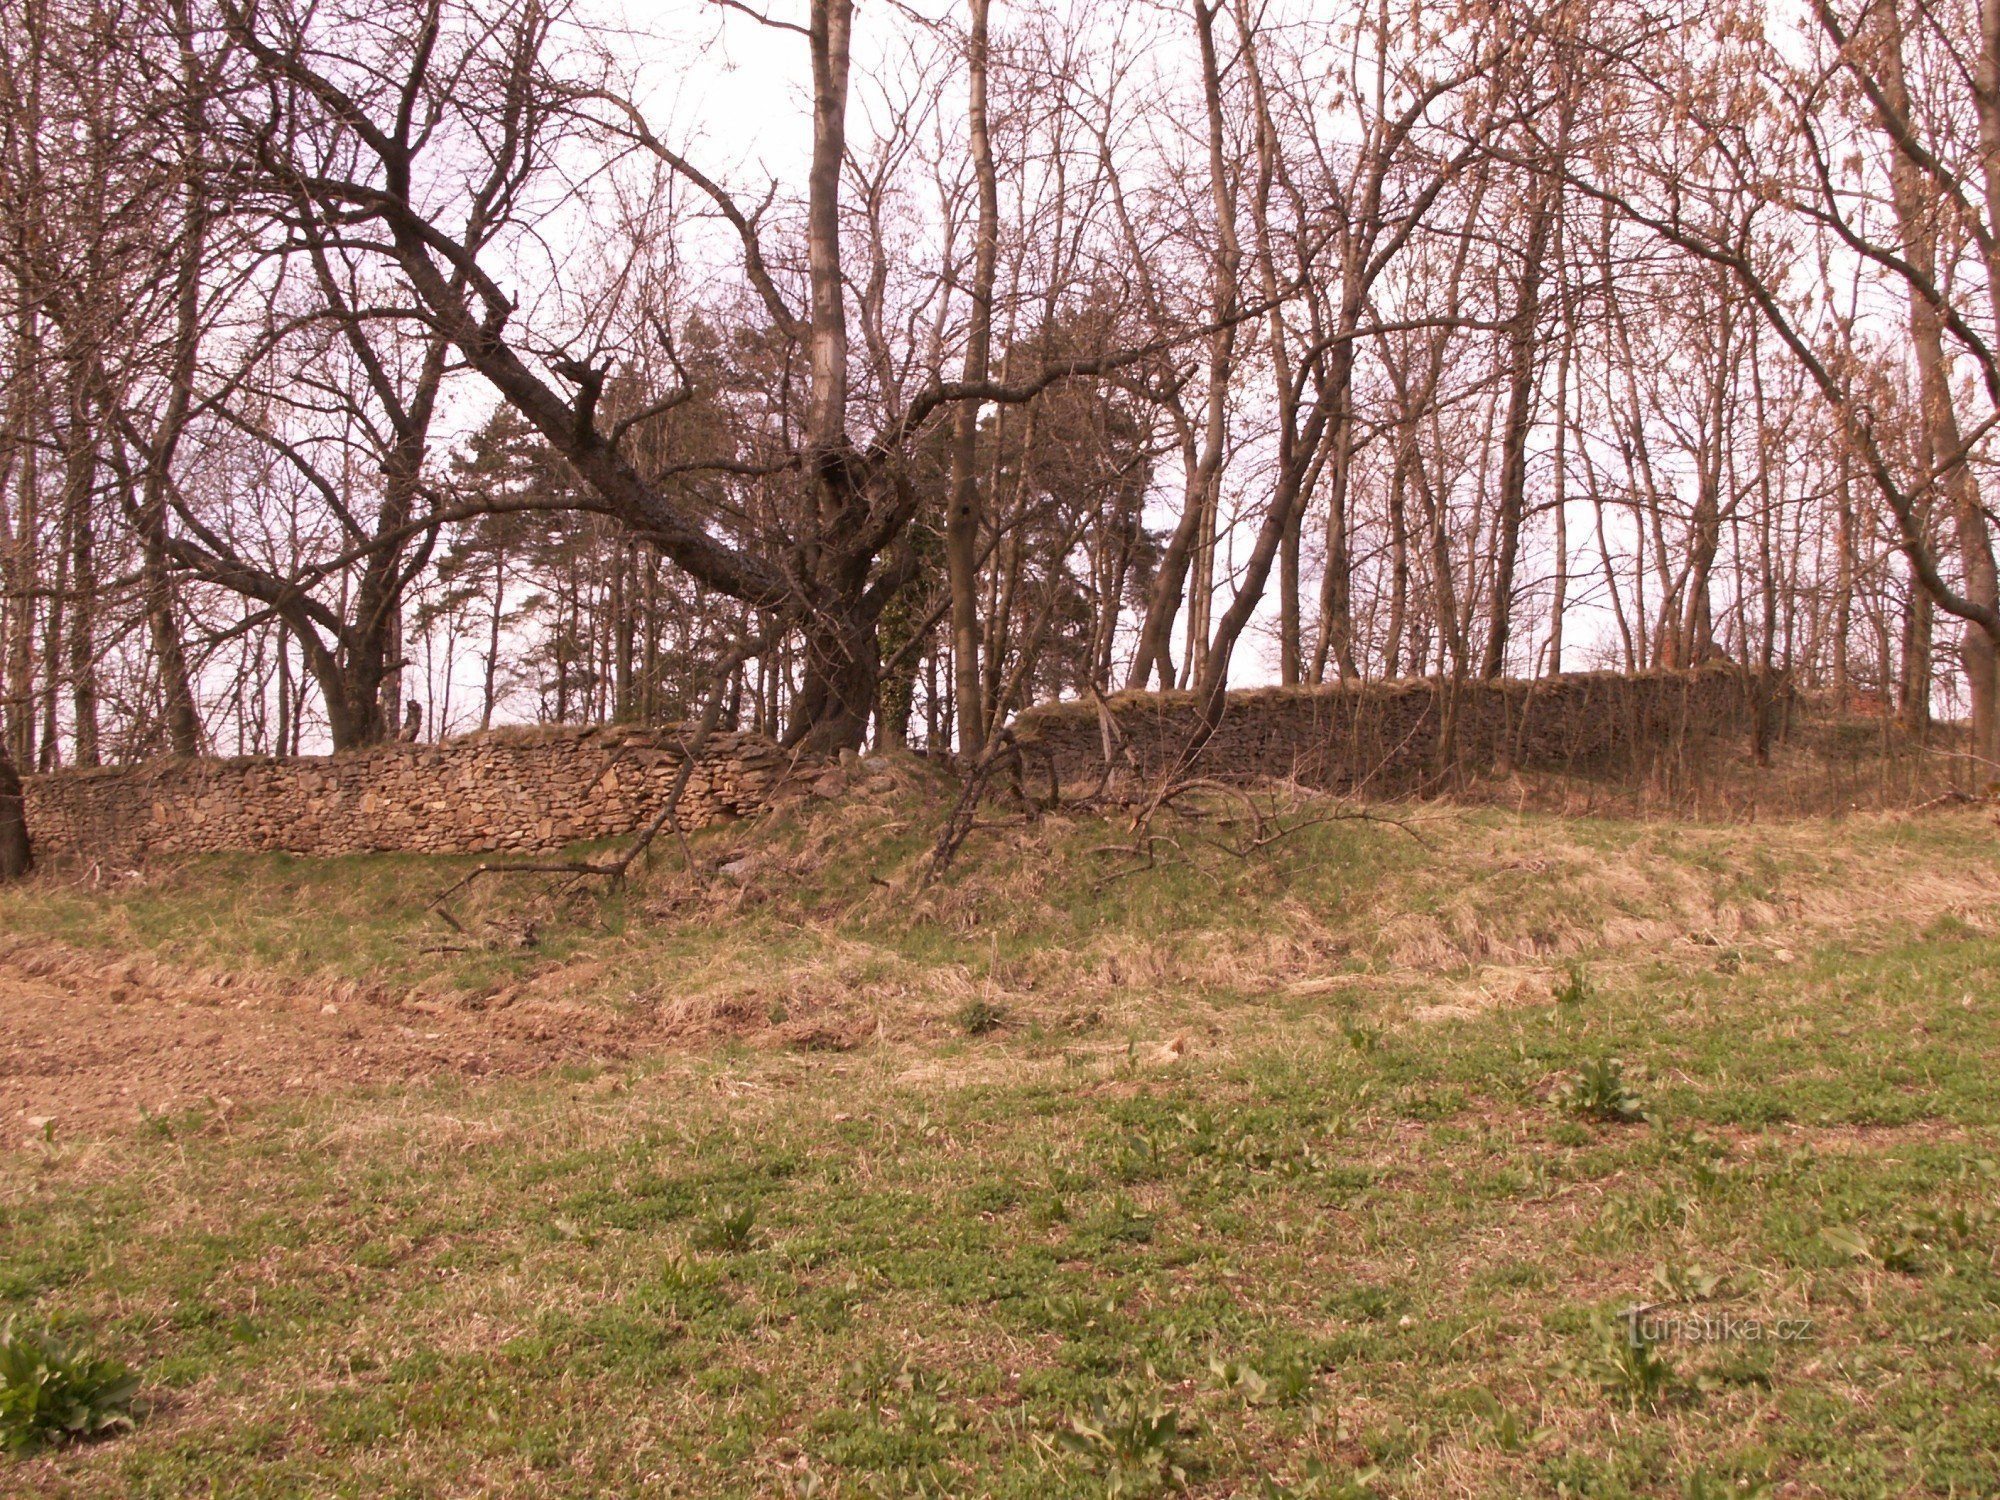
(1347, 1241)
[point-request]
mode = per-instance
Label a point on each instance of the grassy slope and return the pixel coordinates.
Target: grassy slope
(1344, 1231)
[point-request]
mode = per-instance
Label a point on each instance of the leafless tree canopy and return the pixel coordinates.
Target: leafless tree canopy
(374, 369)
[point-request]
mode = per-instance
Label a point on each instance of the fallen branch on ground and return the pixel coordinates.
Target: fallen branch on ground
(1264, 823)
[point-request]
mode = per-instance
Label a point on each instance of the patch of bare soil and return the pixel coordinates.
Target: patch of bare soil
(94, 1047)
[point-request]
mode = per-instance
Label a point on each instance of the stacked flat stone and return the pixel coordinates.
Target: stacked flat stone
(525, 790)
(512, 789)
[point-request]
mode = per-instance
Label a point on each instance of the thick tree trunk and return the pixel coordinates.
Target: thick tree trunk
(843, 669)
(353, 697)
(1559, 509)
(843, 657)
(55, 629)
(1188, 549)
(1399, 558)
(624, 634)
(1521, 394)
(17, 653)
(1978, 650)
(83, 642)
(962, 520)
(1691, 632)
(1335, 645)
(176, 689)
(184, 732)
(1979, 647)
(1843, 593)
(1982, 671)
(1156, 631)
(1213, 682)
(283, 745)
(492, 666)
(16, 854)
(79, 485)
(1913, 687)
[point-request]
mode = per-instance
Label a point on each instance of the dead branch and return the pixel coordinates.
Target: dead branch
(1262, 825)
(614, 870)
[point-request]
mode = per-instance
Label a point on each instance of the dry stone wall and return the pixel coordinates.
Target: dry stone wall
(533, 789)
(1390, 737)
(511, 789)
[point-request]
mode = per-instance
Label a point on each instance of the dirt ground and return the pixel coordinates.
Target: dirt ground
(88, 1048)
